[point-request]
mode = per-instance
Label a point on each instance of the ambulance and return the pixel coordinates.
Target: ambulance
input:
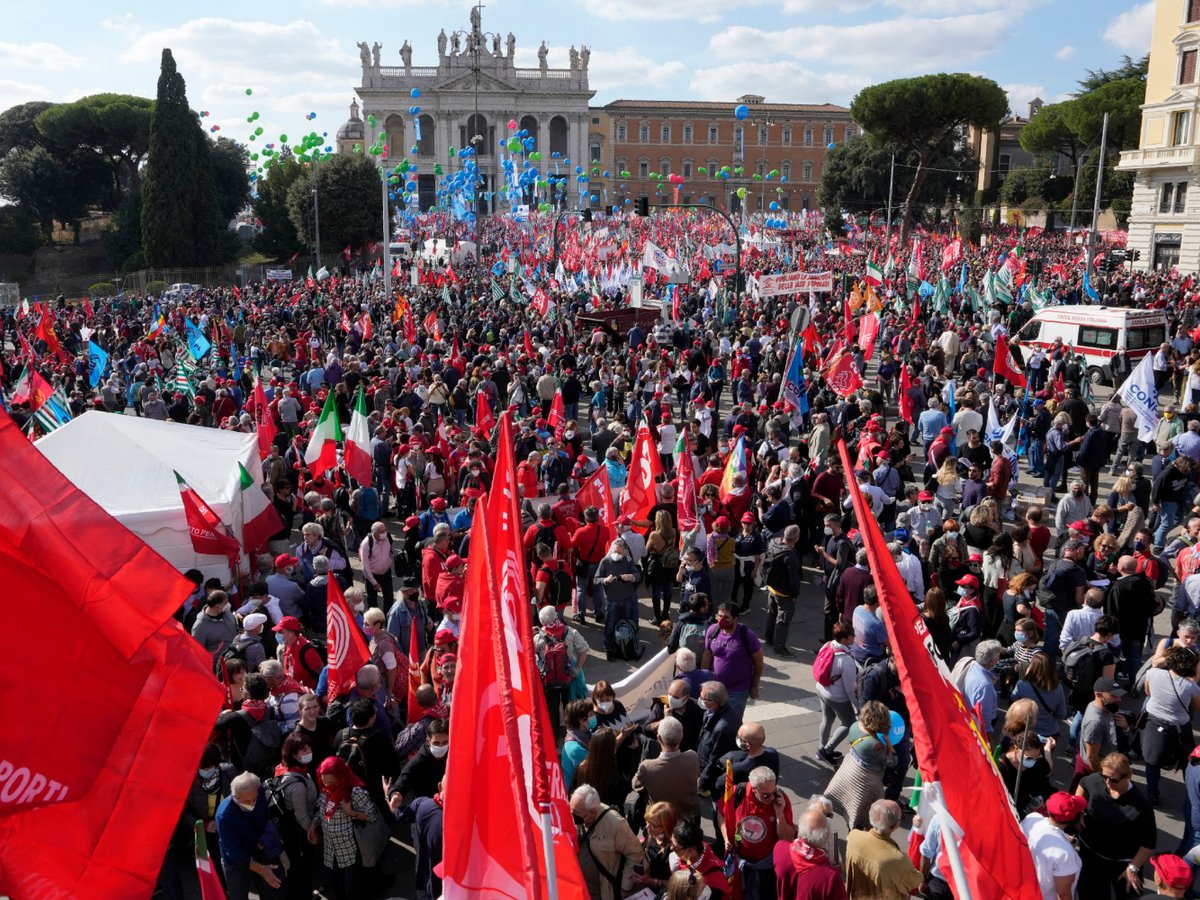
(1096, 333)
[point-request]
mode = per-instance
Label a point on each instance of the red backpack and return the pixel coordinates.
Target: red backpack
(823, 665)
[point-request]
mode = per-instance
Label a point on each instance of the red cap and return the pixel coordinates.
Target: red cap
(624, 520)
(444, 636)
(453, 561)
(438, 503)
(1082, 527)
(289, 623)
(721, 522)
(968, 581)
(412, 522)
(748, 517)
(454, 605)
(283, 559)
(925, 496)
(947, 431)
(1171, 870)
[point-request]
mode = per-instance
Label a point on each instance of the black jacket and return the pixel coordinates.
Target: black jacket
(718, 736)
(783, 568)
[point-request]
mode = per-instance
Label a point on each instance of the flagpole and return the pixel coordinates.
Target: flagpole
(950, 832)
(548, 850)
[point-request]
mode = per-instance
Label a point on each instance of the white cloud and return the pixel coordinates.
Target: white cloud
(37, 55)
(928, 44)
(1065, 53)
(702, 11)
(779, 82)
(13, 93)
(1019, 96)
(1130, 31)
(120, 22)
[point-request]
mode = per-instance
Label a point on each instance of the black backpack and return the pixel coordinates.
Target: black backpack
(559, 587)
(628, 642)
(544, 535)
(351, 753)
(273, 787)
(262, 751)
(1079, 670)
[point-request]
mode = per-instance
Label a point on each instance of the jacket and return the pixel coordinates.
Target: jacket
(672, 780)
(215, 633)
(718, 736)
(783, 569)
(614, 846)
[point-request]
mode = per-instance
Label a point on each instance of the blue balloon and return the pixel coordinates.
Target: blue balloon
(774, 207)
(410, 186)
(606, 173)
(578, 170)
(741, 111)
(414, 109)
(830, 145)
(896, 731)
(593, 198)
(415, 93)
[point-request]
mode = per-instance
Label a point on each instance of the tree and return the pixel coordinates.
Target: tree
(349, 197)
(278, 238)
(921, 114)
(1025, 183)
(1129, 69)
(180, 218)
(18, 127)
(1049, 132)
(1122, 100)
(114, 127)
(18, 231)
(123, 237)
(856, 172)
(230, 162)
(43, 186)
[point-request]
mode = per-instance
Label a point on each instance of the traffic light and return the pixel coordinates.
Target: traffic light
(1134, 255)
(587, 215)
(641, 205)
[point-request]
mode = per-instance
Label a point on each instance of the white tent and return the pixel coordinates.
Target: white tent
(127, 464)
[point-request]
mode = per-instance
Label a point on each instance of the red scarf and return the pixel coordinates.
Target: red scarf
(333, 796)
(806, 856)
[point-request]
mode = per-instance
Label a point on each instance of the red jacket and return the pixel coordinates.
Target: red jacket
(433, 564)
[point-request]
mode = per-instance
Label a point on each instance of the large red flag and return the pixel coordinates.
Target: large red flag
(685, 487)
(68, 805)
(414, 673)
(595, 491)
(484, 419)
(906, 411)
(208, 533)
(868, 333)
(264, 423)
(1005, 366)
(347, 647)
(558, 416)
(952, 755)
(45, 331)
(842, 374)
(501, 784)
(644, 469)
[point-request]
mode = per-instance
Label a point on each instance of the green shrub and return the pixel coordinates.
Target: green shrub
(102, 289)
(157, 286)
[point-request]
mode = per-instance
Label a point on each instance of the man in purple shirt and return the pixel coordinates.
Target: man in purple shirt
(734, 653)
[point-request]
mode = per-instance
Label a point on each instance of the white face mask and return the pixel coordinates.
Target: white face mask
(305, 758)
(615, 556)
(828, 531)
(742, 745)
(359, 607)
(605, 707)
(439, 750)
(248, 807)
(677, 702)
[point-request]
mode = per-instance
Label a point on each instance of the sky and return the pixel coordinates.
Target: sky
(300, 57)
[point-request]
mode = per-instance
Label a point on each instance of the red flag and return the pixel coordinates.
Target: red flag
(364, 325)
(26, 347)
(484, 420)
(1060, 386)
(414, 673)
(1005, 366)
(237, 293)
(952, 254)
(346, 326)
(558, 416)
(685, 488)
(916, 310)
(906, 412)
(87, 308)
(410, 328)
(529, 351)
(264, 423)
(45, 331)
(431, 321)
(210, 884)
(867, 335)
(952, 755)
(812, 341)
(849, 329)
(501, 785)
(346, 253)
(644, 469)
(595, 491)
(70, 805)
(347, 647)
(842, 375)
(396, 268)
(209, 535)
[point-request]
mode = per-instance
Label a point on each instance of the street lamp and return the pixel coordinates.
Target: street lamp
(317, 218)
(476, 39)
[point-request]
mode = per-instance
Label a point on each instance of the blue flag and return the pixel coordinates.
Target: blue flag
(197, 343)
(795, 391)
(962, 278)
(1088, 288)
(97, 363)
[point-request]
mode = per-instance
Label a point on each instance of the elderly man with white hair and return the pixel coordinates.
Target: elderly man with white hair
(979, 684)
(671, 777)
(315, 543)
(802, 869)
(761, 818)
(285, 694)
(250, 845)
(608, 848)
(687, 669)
(875, 866)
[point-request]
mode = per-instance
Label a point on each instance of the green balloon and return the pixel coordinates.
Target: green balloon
(741, 192)
(371, 120)
(249, 92)
(437, 169)
(283, 139)
(251, 137)
(451, 152)
(701, 170)
(535, 155)
(757, 177)
(258, 130)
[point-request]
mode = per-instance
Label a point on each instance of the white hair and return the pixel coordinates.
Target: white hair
(814, 836)
(245, 783)
(884, 816)
(270, 668)
(761, 776)
(547, 615)
(313, 528)
(685, 660)
(670, 732)
(987, 652)
(589, 796)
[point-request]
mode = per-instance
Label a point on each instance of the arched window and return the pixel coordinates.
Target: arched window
(558, 136)
(531, 124)
(393, 129)
(807, 170)
(808, 136)
(594, 150)
(787, 136)
(427, 145)
(622, 133)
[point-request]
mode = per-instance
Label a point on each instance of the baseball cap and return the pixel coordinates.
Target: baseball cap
(1172, 870)
(438, 503)
(284, 559)
(412, 522)
(1065, 807)
(1108, 686)
(968, 581)
(1074, 545)
(925, 496)
(289, 623)
(721, 522)
(1081, 526)
(444, 636)
(453, 561)
(624, 520)
(947, 431)
(748, 517)
(254, 620)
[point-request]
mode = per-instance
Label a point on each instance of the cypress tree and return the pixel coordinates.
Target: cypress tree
(180, 221)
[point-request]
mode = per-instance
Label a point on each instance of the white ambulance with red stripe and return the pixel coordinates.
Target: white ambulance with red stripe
(1096, 333)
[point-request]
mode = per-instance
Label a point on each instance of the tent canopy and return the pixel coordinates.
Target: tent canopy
(126, 464)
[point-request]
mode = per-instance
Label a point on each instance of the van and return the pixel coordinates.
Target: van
(1096, 333)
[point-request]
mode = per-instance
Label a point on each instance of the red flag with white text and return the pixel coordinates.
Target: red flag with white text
(558, 416)
(906, 411)
(645, 467)
(595, 491)
(1005, 366)
(208, 533)
(344, 639)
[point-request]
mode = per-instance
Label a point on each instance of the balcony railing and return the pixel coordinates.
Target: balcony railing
(1160, 157)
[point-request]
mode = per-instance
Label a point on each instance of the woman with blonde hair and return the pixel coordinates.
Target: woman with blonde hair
(660, 820)
(948, 486)
(662, 562)
(858, 781)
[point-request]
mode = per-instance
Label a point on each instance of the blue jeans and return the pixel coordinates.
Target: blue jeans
(1073, 729)
(1054, 470)
(1037, 457)
(585, 586)
(738, 701)
(1053, 630)
(614, 610)
(1167, 517)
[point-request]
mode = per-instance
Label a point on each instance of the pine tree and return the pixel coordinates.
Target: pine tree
(180, 220)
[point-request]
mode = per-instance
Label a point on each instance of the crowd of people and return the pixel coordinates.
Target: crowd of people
(1043, 607)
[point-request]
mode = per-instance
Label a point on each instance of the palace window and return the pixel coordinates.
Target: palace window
(1181, 132)
(687, 134)
(687, 168)
(762, 134)
(644, 168)
(665, 134)
(828, 135)
(1166, 197)
(1187, 67)
(621, 133)
(787, 137)
(644, 133)
(808, 137)
(1181, 197)
(664, 167)
(713, 134)
(807, 170)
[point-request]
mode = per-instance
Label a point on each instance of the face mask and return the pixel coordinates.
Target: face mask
(615, 557)
(605, 707)
(926, 506)
(304, 758)
(439, 750)
(248, 807)
(359, 607)
(962, 592)
(208, 773)
(828, 531)
(677, 702)
(453, 617)
(742, 745)
(1029, 763)
(1113, 707)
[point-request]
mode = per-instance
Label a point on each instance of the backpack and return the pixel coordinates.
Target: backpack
(1079, 670)
(556, 668)
(543, 535)
(351, 753)
(235, 650)
(691, 635)
(628, 641)
(262, 751)
(368, 503)
(277, 807)
(559, 588)
(1047, 594)
(823, 665)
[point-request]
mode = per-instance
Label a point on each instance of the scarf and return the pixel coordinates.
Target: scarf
(579, 736)
(806, 856)
(256, 708)
(284, 769)
(332, 796)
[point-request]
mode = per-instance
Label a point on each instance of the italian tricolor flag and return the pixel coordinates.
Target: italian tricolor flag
(210, 884)
(358, 442)
(321, 454)
(874, 274)
(259, 518)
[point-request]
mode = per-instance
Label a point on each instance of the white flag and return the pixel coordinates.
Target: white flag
(1140, 395)
(654, 257)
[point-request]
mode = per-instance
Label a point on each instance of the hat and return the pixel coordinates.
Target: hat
(1108, 686)
(975, 557)
(748, 517)
(1065, 807)
(1039, 402)
(901, 534)
(947, 431)
(723, 522)
(289, 623)
(1074, 545)
(412, 522)
(925, 496)
(447, 658)
(283, 560)
(410, 583)
(403, 448)
(454, 604)
(444, 636)
(1173, 871)
(624, 520)
(1082, 526)
(968, 581)
(453, 561)
(438, 503)
(982, 373)
(254, 620)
